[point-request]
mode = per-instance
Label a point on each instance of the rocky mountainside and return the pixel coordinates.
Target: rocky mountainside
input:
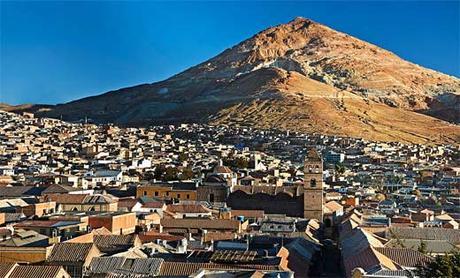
(302, 76)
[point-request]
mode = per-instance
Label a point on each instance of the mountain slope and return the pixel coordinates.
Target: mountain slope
(301, 75)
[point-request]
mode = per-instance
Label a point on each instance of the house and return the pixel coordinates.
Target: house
(451, 235)
(39, 209)
(84, 202)
(124, 267)
(447, 221)
(58, 189)
(422, 216)
(432, 247)
(10, 237)
(388, 207)
(118, 223)
(23, 246)
(333, 213)
(148, 205)
(178, 244)
(103, 178)
(112, 244)
(6, 171)
(198, 226)
(14, 270)
(74, 257)
(168, 191)
(298, 256)
(278, 227)
(189, 210)
(54, 228)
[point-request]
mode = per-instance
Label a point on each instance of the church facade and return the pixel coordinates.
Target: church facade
(304, 200)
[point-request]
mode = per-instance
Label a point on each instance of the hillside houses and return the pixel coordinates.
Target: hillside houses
(193, 200)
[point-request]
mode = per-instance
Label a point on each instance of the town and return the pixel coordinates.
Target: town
(195, 200)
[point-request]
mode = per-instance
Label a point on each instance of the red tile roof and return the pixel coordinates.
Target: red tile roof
(187, 208)
(404, 256)
(186, 269)
(196, 223)
(35, 271)
(70, 252)
(152, 236)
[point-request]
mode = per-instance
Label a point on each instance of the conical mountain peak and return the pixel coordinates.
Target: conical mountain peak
(300, 75)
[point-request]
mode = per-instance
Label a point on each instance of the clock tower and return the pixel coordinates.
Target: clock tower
(313, 186)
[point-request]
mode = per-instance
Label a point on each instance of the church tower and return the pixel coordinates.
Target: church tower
(313, 186)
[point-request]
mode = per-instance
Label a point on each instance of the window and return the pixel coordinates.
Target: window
(313, 182)
(167, 193)
(145, 193)
(156, 193)
(188, 196)
(178, 195)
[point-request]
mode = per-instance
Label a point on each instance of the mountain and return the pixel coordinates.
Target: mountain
(300, 76)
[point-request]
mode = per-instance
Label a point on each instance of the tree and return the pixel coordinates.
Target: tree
(149, 176)
(170, 174)
(447, 266)
(159, 171)
(183, 157)
(339, 168)
(186, 174)
(239, 162)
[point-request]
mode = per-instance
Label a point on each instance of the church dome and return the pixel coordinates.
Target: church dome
(222, 170)
(215, 179)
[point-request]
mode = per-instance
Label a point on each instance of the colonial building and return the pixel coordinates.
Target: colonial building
(297, 200)
(313, 186)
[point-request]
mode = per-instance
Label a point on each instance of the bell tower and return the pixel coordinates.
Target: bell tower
(313, 186)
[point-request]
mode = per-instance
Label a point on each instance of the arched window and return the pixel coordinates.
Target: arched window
(313, 183)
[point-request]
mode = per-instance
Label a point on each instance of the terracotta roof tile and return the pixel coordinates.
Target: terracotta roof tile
(70, 252)
(186, 269)
(112, 243)
(451, 235)
(5, 268)
(187, 208)
(404, 256)
(35, 271)
(201, 223)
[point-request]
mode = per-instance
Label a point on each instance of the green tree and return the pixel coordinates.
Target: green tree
(183, 157)
(186, 174)
(447, 266)
(239, 162)
(159, 172)
(170, 174)
(339, 168)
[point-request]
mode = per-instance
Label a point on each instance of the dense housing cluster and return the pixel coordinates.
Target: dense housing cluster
(192, 200)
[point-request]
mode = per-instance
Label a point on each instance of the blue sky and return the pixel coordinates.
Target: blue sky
(54, 52)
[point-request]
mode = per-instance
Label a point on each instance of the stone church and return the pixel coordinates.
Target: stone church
(295, 200)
